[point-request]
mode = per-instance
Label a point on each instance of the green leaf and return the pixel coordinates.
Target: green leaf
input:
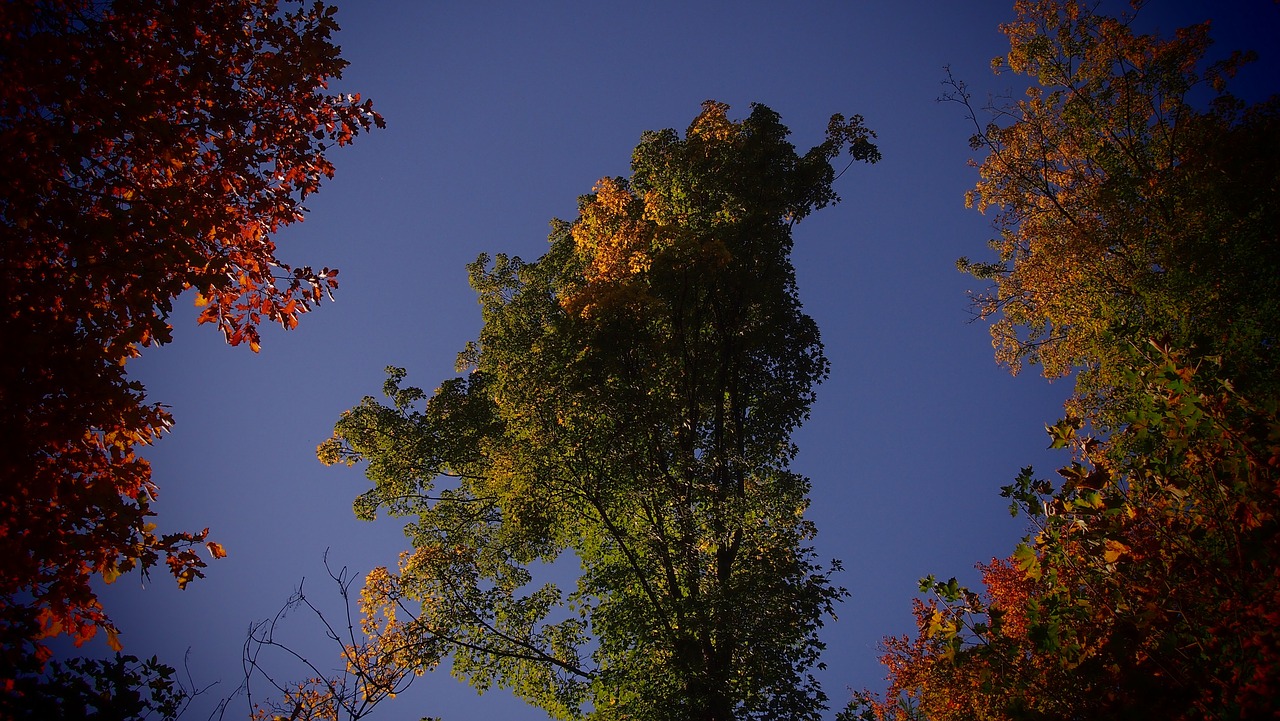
(1027, 560)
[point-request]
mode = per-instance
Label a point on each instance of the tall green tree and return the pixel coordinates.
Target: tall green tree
(628, 407)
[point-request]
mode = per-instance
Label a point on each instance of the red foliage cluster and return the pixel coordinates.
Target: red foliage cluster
(151, 146)
(1155, 594)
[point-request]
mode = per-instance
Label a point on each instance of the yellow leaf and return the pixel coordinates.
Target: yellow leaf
(1113, 551)
(113, 640)
(937, 624)
(111, 573)
(201, 301)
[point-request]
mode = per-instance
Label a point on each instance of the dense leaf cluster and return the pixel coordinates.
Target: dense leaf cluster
(1138, 246)
(151, 146)
(1128, 207)
(123, 688)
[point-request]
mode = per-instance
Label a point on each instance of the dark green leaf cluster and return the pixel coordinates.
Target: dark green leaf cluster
(122, 688)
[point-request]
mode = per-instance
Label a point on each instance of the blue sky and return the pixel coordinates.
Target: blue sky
(499, 115)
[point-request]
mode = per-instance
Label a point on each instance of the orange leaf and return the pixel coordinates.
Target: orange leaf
(216, 550)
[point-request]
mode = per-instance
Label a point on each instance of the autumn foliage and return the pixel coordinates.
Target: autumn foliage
(1138, 247)
(376, 659)
(152, 147)
(1149, 586)
(1134, 197)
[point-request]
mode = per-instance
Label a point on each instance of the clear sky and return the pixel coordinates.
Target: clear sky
(499, 115)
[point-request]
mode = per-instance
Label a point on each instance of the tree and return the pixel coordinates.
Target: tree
(973, 657)
(1149, 586)
(1125, 210)
(628, 405)
(1138, 247)
(154, 146)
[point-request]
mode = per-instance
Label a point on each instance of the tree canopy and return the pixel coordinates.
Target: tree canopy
(1134, 198)
(152, 146)
(628, 409)
(1137, 246)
